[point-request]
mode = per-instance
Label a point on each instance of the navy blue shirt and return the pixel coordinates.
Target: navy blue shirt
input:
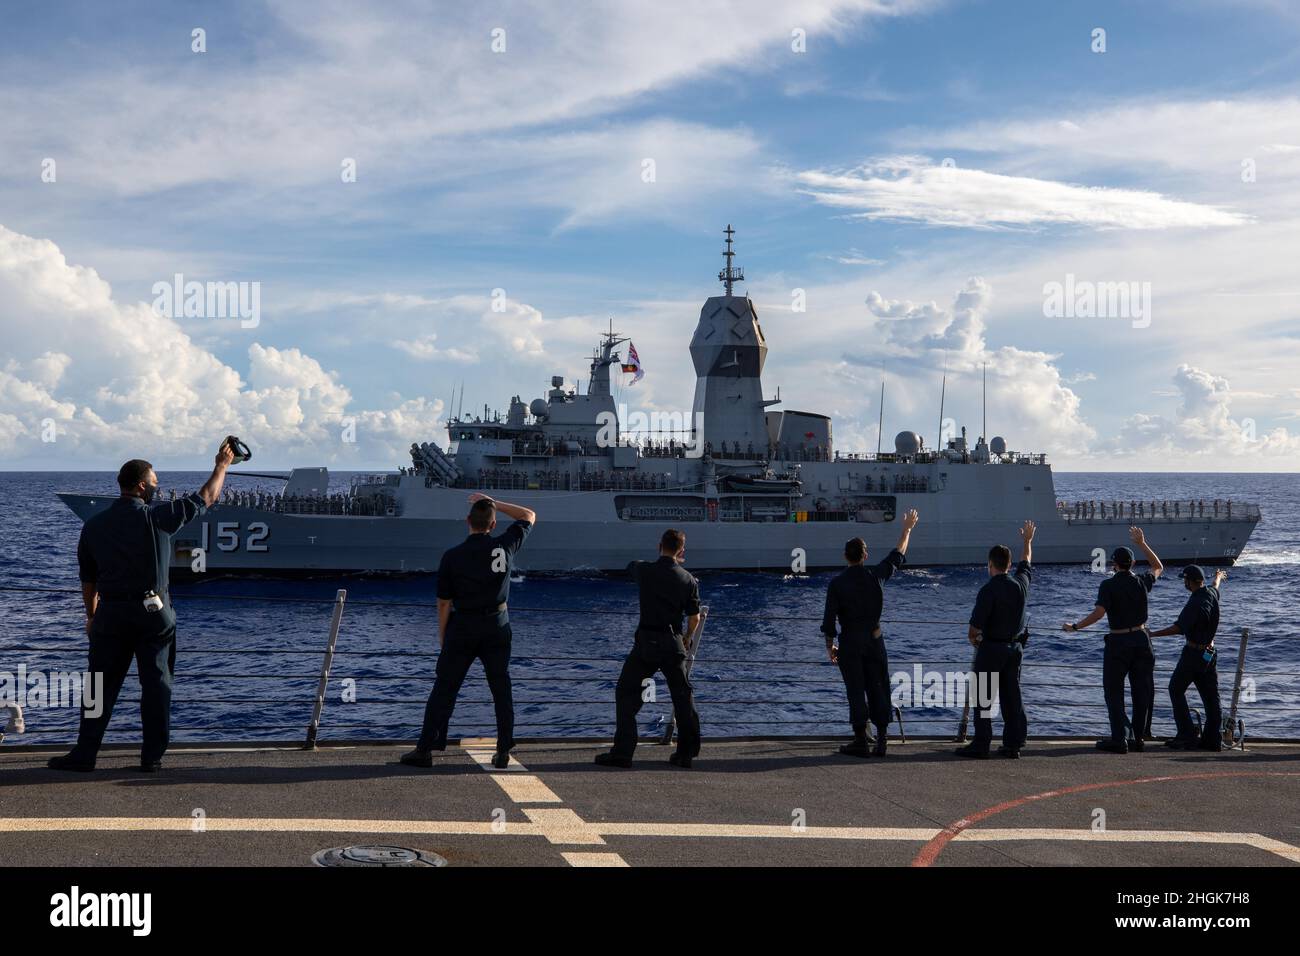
(1124, 596)
(467, 576)
(1000, 607)
(668, 592)
(855, 597)
(1199, 620)
(125, 550)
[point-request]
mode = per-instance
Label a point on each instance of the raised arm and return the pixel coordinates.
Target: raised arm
(211, 490)
(909, 522)
(1140, 539)
(1027, 542)
(515, 512)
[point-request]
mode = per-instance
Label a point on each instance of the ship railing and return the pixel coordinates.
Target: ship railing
(266, 693)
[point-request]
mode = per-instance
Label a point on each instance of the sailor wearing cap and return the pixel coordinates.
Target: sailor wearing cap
(1198, 623)
(855, 599)
(998, 631)
(124, 556)
(1123, 599)
(474, 624)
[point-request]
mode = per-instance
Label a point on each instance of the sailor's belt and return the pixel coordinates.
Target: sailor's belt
(116, 596)
(485, 611)
(1129, 630)
(1199, 647)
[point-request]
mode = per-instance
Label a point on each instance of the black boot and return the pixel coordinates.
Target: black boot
(1112, 746)
(882, 735)
(612, 759)
(417, 758)
(859, 745)
(68, 762)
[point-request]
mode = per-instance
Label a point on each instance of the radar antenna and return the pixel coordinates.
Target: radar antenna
(730, 275)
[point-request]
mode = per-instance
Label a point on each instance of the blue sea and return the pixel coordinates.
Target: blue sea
(249, 660)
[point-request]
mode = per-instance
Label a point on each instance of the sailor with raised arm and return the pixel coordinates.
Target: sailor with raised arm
(998, 632)
(1129, 654)
(474, 624)
(124, 555)
(1198, 664)
(855, 599)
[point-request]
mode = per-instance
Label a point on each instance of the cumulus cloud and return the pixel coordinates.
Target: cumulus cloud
(1202, 426)
(1033, 406)
(916, 189)
(106, 376)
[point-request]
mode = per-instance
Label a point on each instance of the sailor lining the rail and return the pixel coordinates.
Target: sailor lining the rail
(1122, 598)
(855, 600)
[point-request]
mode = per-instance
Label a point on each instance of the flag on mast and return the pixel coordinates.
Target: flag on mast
(633, 364)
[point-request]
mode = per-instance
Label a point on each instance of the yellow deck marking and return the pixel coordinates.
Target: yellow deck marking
(562, 825)
(594, 859)
(484, 759)
(526, 788)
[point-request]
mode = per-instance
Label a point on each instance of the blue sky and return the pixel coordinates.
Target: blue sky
(522, 170)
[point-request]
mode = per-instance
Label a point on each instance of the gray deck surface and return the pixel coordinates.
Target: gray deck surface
(742, 804)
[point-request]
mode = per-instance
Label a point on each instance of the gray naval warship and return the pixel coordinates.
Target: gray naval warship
(754, 488)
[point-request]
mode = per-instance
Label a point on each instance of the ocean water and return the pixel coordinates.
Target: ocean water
(250, 651)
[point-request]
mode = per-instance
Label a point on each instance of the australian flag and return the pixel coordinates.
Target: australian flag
(633, 364)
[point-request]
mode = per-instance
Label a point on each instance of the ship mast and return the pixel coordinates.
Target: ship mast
(730, 275)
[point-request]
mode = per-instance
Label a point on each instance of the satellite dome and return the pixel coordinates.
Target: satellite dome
(998, 445)
(907, 443)
(538, 407)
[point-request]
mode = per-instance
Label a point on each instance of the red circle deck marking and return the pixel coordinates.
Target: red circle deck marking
(930, 852)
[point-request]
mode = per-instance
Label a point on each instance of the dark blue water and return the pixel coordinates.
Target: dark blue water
(228, 685)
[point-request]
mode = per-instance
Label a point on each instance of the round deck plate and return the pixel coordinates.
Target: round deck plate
(376, 855)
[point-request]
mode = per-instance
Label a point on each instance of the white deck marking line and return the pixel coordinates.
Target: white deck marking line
(561, 825)
(484, 759)
(1256, 840)
(594, 859)
(764, 831)
(265, 825)
(522, 787)
(526, 788)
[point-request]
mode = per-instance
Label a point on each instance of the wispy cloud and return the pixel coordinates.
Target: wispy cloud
(915, 188)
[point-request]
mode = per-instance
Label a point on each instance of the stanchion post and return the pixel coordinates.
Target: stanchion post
(318, 704)
(1229, 732)
(690, 663)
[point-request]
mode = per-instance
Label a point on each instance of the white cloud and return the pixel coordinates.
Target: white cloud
(117, 377)
(1202, 427)
(1034, 408)
(914, 188)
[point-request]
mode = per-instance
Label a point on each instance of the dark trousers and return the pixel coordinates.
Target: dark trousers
(459, 651)
(1128, 656)
(655, 651)
(1192, 668)
(997, 668)
(112, 647)
(864, 665)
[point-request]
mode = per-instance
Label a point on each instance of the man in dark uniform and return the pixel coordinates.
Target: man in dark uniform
(474, 623)
(668, 592)
(1123, 599)
(997, 632)
(856, 600)
(124, 555)
(1198, 623)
